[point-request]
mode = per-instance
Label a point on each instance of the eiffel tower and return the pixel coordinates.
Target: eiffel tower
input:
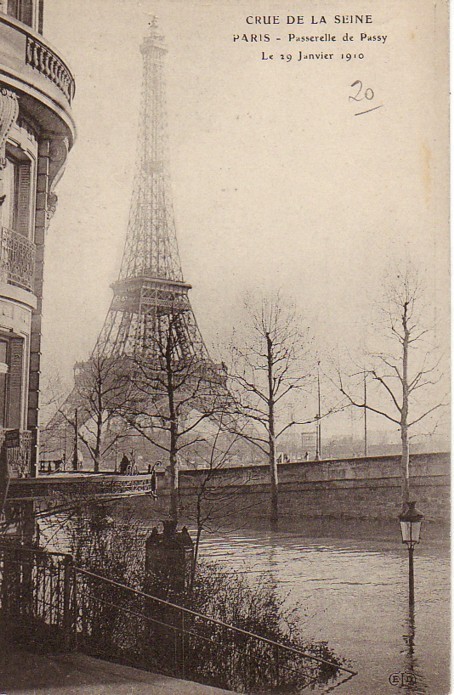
(150, 301)
(150, 288)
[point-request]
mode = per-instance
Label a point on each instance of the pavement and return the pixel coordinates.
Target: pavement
(27, 673)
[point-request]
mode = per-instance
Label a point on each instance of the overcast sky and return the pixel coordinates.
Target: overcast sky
(276, 183)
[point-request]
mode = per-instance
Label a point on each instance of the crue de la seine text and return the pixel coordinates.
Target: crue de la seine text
(312, 19)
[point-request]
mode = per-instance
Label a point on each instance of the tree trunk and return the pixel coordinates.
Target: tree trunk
(173, 449)
(196, 555)
(405, 460)
(99, 425)
(97, 456)
(274, 500)
(76, 442)
(405, 465)
(173, 510)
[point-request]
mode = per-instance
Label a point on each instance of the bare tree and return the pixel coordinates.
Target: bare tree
(102, 389)
(270, 365)
(174, 394)
(52, 430)
(405, 368)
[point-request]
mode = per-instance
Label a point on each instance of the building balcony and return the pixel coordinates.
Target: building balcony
(17, 259)
(31, 67)
(42, 59)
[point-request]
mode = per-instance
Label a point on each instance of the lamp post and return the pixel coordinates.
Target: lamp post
(410, 527)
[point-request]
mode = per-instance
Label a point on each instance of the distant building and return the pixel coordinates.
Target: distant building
(36, 133)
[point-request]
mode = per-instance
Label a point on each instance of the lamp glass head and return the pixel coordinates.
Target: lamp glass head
(411, 531)
(410, 524)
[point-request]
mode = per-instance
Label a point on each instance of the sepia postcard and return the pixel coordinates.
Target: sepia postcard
(224, 347)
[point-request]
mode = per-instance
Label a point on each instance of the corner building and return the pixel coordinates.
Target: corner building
(36, 133)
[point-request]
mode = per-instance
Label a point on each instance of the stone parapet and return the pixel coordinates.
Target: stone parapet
(360, 488)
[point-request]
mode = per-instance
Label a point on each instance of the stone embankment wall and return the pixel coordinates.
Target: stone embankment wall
(361, 488)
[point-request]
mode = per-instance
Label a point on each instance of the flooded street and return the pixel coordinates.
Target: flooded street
(350, 584)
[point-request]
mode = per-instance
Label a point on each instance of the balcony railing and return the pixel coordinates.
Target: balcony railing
(17, 259)
(43, 59)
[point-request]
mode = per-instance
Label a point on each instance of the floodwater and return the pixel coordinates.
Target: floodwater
(350, 584)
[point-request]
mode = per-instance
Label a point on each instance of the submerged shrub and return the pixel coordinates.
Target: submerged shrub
(237, 660)
(266, 651)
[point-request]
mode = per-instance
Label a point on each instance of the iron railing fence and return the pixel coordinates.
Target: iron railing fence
(35, 594)
(44, 597)
(17, 259)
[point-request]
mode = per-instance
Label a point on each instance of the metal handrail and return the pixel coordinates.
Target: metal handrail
(207, 618)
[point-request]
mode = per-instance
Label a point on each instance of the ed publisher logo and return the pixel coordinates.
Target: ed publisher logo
(402, 679)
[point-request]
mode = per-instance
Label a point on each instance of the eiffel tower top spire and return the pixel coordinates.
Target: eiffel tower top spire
(151, 248)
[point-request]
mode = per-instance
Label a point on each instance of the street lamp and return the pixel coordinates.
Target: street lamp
(410, 527)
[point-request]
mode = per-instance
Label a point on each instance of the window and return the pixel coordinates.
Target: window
(11, 191)
(12, 384)
(21, 10)
(3, 380)
(16, 206)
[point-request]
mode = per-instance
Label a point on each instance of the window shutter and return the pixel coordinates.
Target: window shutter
(9, 190)
(15, 383)
(21, 10)
(40, 16)
(23, 212)
(13, 8)
(26, 12)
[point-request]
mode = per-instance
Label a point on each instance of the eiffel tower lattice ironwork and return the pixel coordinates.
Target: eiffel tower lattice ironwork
(150, 307)
(150, 290)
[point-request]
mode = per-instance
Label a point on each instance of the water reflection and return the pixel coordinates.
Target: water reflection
(350, 587)
(411, 678)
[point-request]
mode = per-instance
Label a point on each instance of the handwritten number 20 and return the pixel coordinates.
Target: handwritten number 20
(360, 95)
